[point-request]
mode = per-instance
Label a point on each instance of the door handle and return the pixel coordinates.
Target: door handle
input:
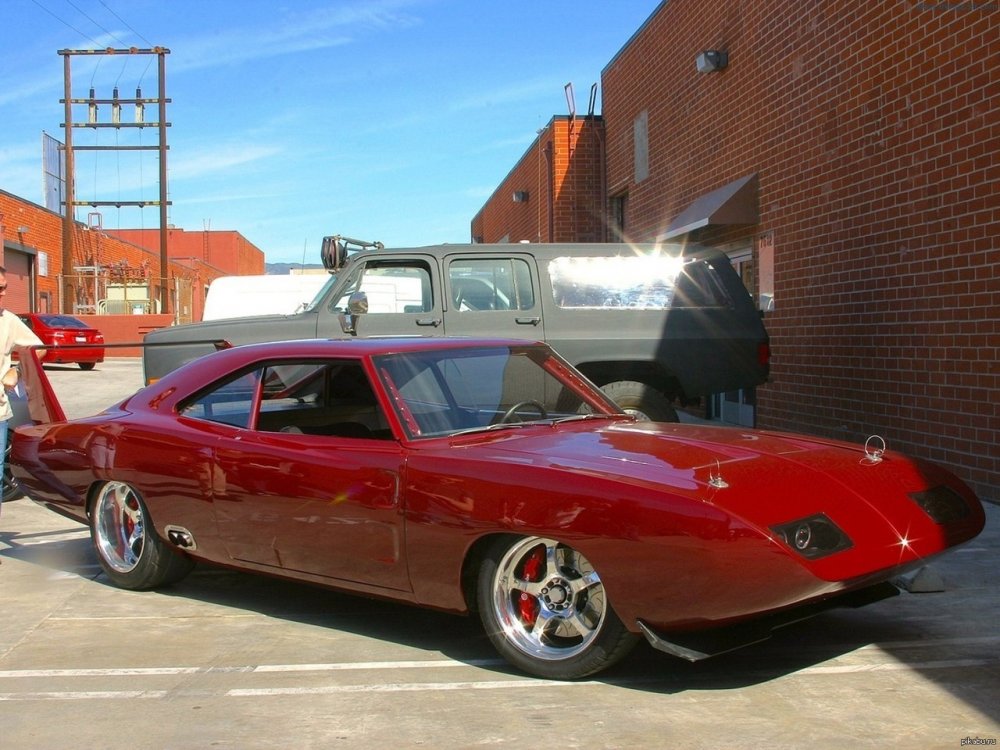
(435, 322)
(528, 321)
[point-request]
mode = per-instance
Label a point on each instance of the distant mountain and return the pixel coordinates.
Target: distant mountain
(283, 269)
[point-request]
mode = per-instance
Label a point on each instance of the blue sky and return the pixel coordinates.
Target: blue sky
(390, 120)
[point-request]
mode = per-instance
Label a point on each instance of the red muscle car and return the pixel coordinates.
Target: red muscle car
(491, 477)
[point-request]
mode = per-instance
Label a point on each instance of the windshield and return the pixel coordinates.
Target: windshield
(321, 294)
(443, 392)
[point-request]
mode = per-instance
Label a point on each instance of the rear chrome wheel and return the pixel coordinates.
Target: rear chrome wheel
(546, 611)
(130, 552)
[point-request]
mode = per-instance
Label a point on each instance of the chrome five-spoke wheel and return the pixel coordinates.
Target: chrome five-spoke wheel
(546, 610)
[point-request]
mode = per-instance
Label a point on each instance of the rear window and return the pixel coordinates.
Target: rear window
(635, 283)
(62, 321)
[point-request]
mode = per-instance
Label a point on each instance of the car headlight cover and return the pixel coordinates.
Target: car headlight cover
(941, 503)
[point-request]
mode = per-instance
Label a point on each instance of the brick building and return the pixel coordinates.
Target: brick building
(114, 272)
(201, 257)
(554, 193)
(847, 156)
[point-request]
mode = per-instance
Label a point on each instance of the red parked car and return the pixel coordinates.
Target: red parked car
(489, 477)
(55, 329)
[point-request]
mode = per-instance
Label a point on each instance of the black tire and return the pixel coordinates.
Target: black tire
(544, 608)
(128, 548)
(641, 400)
(11, 490)
(86, 365)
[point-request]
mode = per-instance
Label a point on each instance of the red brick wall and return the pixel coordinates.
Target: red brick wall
(125, 329)
(44, 235)
(874, 128)
(197, 257)
(562, 174)
(229, 252)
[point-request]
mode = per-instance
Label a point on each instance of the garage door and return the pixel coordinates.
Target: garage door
(18, 267)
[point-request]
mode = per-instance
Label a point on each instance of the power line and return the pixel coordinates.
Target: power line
(149, 43)
(84, 14)
(67, 24)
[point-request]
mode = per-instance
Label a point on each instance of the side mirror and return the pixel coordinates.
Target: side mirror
(357, 304)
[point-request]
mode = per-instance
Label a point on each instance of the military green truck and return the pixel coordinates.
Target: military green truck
(653, 326)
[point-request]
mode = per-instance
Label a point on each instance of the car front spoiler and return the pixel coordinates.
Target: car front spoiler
(698, 645)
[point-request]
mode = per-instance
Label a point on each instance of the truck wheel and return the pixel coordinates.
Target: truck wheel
(641, 400)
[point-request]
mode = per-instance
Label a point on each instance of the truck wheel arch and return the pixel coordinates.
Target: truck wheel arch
(642, 400)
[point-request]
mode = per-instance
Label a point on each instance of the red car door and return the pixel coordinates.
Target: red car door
(325, 506)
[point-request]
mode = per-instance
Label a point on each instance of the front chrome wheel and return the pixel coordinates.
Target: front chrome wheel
(545, 609)
(549, 599)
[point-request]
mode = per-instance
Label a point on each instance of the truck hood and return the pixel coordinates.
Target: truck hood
(234, 330)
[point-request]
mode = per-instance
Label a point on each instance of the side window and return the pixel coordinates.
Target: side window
(329, 398)
(391, 287)
(490, 284)
(292, 386)
(230, 403)
(635, 283)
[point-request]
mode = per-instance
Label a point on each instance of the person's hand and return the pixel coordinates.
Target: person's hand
(9, 379)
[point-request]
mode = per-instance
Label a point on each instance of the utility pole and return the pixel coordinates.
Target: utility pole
(161, 124)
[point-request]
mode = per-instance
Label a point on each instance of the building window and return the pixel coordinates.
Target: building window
(618, 205)
(640, 137)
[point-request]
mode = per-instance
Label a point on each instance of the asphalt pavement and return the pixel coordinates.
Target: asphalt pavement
(231, 660)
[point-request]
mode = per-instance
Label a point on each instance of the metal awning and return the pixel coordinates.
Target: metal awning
(732, 204)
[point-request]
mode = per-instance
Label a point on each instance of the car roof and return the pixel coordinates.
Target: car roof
(185, 380)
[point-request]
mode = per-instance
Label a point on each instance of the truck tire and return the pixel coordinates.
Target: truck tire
(641, 400)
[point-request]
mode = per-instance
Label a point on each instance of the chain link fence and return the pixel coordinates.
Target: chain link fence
(102, 293)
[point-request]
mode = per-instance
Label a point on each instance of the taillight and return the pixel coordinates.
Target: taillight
(763, 354)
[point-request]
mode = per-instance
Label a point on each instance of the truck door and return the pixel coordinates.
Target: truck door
(493, 296)
(403, 298)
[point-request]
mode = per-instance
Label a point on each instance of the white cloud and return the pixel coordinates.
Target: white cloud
(217, 159)
(298, 32)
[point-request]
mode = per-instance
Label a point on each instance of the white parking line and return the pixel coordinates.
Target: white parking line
(896, 666)
(88, 695)
(397, 687)
(404, 687)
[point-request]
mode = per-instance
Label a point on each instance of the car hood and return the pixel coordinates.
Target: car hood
(765, 478)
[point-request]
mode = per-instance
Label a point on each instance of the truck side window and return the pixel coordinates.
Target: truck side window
(391, 288)
(635, 283)
(490, 284)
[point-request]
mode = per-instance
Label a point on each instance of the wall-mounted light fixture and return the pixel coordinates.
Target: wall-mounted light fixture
(520, 196)
(712, 60)
(22, 229)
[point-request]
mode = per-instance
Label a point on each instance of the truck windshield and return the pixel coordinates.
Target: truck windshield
(321, 294)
